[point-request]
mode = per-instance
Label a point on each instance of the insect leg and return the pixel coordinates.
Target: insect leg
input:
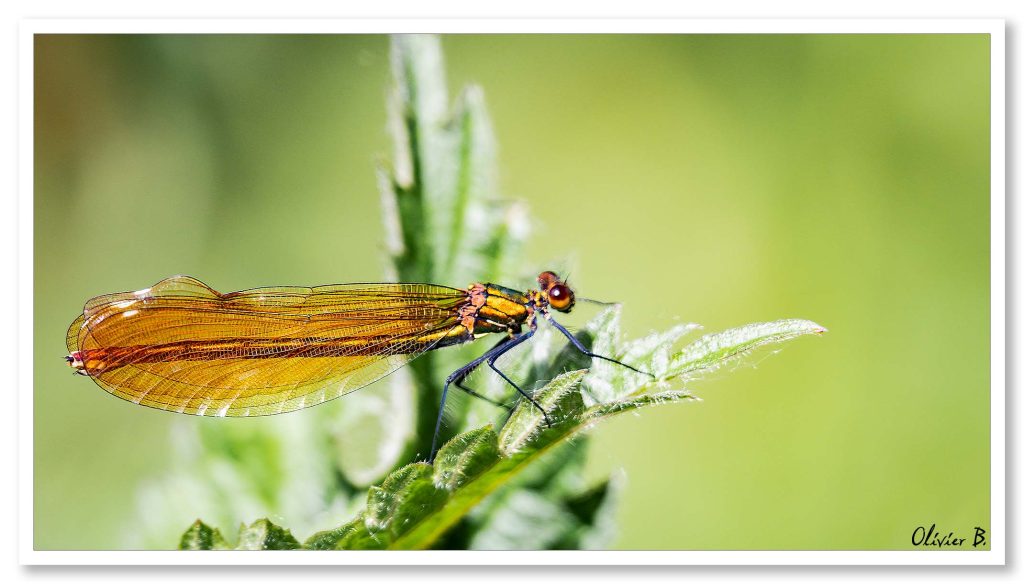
(460, 374)
(466, 371)
(506, 348)
(576, 342)
(478, 395)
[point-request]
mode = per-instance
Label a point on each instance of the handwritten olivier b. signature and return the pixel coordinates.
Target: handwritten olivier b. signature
(931, 537)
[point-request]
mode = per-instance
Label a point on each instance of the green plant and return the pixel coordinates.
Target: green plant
(444, 224)
(417, 504)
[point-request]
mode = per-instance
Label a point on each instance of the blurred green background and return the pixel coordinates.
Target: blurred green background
(717, 179)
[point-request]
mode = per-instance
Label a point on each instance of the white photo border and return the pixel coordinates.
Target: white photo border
(993, 27)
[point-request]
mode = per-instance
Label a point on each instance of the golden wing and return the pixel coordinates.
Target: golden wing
(182, 346)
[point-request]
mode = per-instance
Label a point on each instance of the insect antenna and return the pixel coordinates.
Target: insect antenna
(598, 302)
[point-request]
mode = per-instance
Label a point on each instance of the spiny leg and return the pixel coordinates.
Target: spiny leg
(467, 371)
(444, 395)
(508, 409)
(460, 374)
(583, 349)
(547, 420)
(478, 395)
(504, 349)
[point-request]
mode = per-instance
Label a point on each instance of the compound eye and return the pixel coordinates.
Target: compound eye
(560, 297)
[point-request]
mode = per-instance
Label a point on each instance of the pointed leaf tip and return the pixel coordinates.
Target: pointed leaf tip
(263, 534)
(713, 350)
(201, 536)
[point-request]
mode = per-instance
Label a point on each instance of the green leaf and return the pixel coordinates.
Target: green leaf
(356, 536)
(417, 504)
(595, 512)
(344, 536)
(404, 497)
(202, 537)
(529, 443)
(609, 381)
(527, 521)
(612, 408)
(464, 457)
(525, 437)
(560, 399)
(715, 350)
(443, 218)
(264, 535)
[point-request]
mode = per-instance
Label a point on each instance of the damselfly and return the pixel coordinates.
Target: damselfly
(183, 347)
